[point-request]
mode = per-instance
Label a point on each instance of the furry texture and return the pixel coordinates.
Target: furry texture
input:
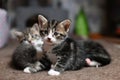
(25, 58)
(53, 32)
(23, 54)
(29, 55)
(72, 54)
(109, 72)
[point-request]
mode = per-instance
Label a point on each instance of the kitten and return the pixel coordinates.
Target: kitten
(29, 56)
(70, 54)
(74, 55)
(53, 32)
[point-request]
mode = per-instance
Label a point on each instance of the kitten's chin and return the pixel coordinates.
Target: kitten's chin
(52, 43)
(49, 43)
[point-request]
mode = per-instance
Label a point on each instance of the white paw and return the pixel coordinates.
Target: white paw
(94, 63)
(27, 70)
(52, 72)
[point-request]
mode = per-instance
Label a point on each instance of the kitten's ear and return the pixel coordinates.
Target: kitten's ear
(42, 20)
(65, 24)
(35, 27)
(17, 34)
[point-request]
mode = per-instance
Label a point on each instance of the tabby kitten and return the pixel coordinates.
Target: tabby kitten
(29, 56)
(74, 55)
(71, 54)
(53, 33)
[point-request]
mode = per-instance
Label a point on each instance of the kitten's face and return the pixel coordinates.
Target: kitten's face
(31, 36)
(53, 32)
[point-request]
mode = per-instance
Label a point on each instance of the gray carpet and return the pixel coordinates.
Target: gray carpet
(109, 72)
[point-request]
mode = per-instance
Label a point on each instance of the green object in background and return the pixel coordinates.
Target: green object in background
(81, 25)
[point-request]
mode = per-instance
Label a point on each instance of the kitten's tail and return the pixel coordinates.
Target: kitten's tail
(102, 58)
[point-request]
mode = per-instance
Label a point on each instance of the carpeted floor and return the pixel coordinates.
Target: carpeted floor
(109, 72)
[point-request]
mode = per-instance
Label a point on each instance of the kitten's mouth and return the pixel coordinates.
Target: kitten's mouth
(32, 43)
(49, 42)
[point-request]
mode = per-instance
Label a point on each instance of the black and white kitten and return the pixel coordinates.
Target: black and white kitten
(71, 54)
(29, 56)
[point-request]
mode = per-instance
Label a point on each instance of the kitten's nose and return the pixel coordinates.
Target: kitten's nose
(29, 41)
(49, 39)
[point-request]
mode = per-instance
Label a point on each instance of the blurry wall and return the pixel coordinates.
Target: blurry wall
(102, 15)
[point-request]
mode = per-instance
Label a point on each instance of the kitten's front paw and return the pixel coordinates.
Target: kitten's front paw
(27, 70)
(52, 72)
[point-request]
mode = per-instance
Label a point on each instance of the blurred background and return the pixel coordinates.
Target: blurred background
(93, 18)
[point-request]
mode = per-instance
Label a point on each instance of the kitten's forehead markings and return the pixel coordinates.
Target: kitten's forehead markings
(52, 24)
(50, 34)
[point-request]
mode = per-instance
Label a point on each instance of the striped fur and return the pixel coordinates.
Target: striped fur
(54, 32)
(74, 55)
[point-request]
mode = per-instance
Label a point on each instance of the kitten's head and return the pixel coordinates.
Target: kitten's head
(54, 32)
(30, 36)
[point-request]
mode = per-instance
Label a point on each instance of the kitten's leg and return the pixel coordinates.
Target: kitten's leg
(58, 67)
(34, 68)
(92, 63)
(52, 72)
(39, 66)
(29, 70)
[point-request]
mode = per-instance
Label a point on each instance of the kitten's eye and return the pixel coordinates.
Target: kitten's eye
(32, 36)
(24, 39)
(55, 33)
(62, 35)
(46, 32)
(42, 32)
(36, 35)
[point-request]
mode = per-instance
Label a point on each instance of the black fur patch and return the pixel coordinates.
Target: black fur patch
(73, 54)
